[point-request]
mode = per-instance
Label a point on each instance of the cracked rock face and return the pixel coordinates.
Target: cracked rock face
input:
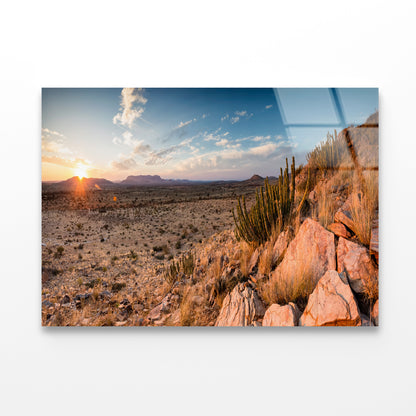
(313, 246)
(241, 307)
(332, 303)
(356, 261)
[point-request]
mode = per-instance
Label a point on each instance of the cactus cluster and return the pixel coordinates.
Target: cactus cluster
(328, 154)
(272, 211)
(185, 265)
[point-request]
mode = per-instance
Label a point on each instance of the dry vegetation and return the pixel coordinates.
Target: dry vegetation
(107, 263)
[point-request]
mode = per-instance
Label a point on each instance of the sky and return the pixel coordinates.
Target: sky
(190, 133)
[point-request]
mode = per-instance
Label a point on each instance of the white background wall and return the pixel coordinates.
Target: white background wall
(204, 371)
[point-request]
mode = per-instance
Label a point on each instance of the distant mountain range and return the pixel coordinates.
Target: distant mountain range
(153, 180)
(74, 183)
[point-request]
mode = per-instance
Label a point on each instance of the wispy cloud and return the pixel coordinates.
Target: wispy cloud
(138, 146)
(260, 138)
(66, 162)
(131, 106)
(54, 142)
(225, 117)
(184, 124)
(222, 142)
(238, 115)
(124, 163)
(268, 107)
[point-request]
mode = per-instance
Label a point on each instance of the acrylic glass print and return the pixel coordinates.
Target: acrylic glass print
(210, 207)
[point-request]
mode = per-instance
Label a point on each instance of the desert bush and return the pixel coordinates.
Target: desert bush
(364, 207)
(116, 287)
(185, 265)
(59, 252)
(133, 255)
(273, 209)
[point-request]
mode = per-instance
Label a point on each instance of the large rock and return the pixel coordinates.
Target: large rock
(277, 315)
(241, 307)
(311, 252)
(356, 262)
(332, 303)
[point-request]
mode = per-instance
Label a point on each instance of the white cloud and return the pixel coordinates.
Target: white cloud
(66, 162)
(234, 120)
(263, 150)
(54, 142)
(241, 113)
(268, 106)
(51, 132)
(129, 110)
(184, 123)
(225, 117)
(260, 138)
(222, 142)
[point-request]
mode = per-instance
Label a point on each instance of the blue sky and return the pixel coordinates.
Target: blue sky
(189, 133)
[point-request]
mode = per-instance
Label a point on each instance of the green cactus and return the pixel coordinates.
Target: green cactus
(273, 209)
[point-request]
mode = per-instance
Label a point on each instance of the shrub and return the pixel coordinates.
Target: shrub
(116, 287)
(185, 265)
(59, 252)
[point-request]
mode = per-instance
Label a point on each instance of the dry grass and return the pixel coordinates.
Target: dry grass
(326, 208)
(297, 287)
(246, 252)
(364, 206)
(266, 259)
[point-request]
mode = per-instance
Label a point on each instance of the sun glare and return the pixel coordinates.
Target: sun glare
(81, 172)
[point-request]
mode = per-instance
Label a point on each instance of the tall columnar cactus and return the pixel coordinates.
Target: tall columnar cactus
(272, 210)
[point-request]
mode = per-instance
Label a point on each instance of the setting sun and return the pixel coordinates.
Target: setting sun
(81, 172)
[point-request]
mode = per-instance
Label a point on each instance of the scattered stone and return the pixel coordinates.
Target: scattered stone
(105, 294)
(198, 300)
(253, 260)
(365, 320)
(47, 304)
(332, 303)
(345, 218)
(65, 299)
(339, 230)
(241, 307)
(277, 315)
(313, 197)
(356, 262)
(374, 313)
